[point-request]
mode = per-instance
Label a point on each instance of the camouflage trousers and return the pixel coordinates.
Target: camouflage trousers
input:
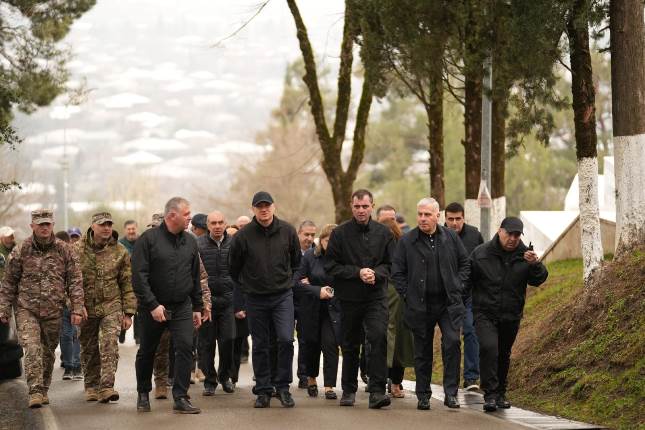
(100, 350)
(39, 339)
(162, 360)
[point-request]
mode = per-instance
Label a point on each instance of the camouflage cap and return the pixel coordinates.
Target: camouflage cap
(42, 216)
(156, 220)
(101, 218)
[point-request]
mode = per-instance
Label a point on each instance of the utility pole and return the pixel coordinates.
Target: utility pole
(484, 199)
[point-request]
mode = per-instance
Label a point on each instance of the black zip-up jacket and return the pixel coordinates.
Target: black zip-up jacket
(470, 237)
(216, 261)
(263, 259)
(353, 246)
(498, 280)
(165, 269)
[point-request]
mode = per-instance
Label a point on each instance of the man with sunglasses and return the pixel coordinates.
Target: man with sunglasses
(500, 270)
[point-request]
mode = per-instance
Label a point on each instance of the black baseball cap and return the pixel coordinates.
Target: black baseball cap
(199, 220)
(513, 225)
(262, 197)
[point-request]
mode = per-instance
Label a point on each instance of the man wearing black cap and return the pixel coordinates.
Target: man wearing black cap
(263, 257)
(500, 270)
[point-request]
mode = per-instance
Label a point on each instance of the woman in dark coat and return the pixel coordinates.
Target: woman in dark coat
(314, 296)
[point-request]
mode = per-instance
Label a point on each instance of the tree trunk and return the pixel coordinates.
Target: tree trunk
(584, 113)
(498, 150)
(628, 116)
(434, 111)
(341, 181)
(473, 133)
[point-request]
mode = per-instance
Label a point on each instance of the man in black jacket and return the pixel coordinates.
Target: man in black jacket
(165, 277)
(359, 258)
(429, 270)
(471, 239)
(500, 270)
(214, 249)
(263, 257)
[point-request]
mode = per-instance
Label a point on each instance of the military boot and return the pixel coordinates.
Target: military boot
(35, 400)
(161, 392)
(107, 395)
(91, 395)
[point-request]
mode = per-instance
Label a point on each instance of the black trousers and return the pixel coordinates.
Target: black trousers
(218, 332)
(450, 350)
(496, 340)
(395, 374)
(329, 348)
(372, 316)
(302, 355)
(240, 343)
(181, 332)
(262, 312)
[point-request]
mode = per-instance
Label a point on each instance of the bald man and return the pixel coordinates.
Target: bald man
(214, 249)
(242, 221)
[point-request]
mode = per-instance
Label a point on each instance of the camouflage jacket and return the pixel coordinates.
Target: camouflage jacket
(107, 277)
(4, 257)
(39, 278)
(203, 282)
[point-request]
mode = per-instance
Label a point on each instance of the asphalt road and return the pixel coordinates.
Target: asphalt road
(68, 409)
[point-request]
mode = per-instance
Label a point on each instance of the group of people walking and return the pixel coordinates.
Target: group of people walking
(373, 289)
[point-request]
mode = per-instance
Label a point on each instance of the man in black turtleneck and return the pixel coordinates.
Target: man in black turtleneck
(263, 257)
(359, 257)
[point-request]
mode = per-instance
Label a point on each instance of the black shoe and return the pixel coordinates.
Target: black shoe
(451, 402)
(424, 402)
(228, 387)
(122, 336)
(183, 406)
(347, 399)
(378, 400)
(330, 395)
(67, 375)
(490, 405)
(209, 390)
(471, 385)
(502, 403)
(286, 399)
(262, 401)
(312, 390)
(302, 383)
(143, 402)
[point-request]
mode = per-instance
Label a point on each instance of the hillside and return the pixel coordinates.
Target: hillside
(582, 354)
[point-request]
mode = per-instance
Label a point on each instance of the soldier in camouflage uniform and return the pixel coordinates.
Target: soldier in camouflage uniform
(39, 276)
(161, 366)
(110, 304)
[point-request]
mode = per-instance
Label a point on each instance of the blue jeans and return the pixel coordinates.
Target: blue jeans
(471, 345)
(263, 312)
(70, 346)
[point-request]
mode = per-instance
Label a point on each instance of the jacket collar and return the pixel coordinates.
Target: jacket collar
(363, 228)
(271, 229)
(496, 248)
(222, 242)
(439, 232)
